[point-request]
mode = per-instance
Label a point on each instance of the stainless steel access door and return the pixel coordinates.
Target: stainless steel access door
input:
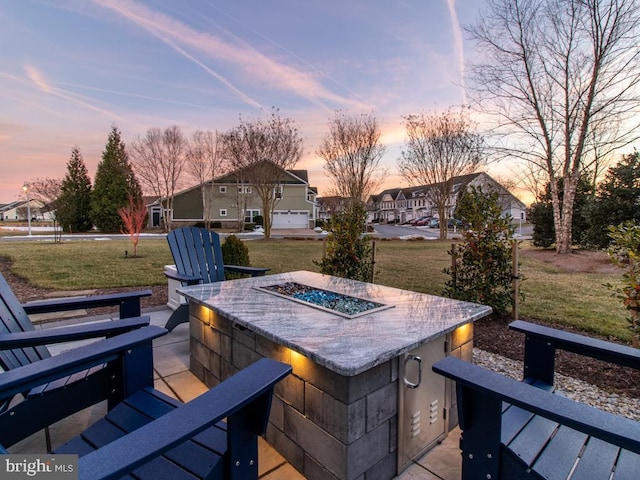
(421, 401)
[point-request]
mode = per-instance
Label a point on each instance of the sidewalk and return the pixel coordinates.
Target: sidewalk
(172, 376)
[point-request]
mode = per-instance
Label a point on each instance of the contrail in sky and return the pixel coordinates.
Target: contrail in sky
(244, 60)
(458, 44)
(40, 81)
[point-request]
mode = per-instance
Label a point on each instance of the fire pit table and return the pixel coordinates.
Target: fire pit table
(362, 400)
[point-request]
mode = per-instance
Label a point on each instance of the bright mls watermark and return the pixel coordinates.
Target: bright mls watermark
(50, 467)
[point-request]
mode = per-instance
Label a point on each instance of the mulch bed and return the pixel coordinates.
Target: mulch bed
(490, 334)
(493, 335)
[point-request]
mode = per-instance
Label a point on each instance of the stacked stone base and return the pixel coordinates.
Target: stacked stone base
(328, 426)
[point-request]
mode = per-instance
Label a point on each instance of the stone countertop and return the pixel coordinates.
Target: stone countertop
(347, 346)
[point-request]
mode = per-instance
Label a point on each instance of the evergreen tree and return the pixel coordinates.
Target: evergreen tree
(115, 182)
(618, 200)
(74, 203)
(483, 261)
(349, 252)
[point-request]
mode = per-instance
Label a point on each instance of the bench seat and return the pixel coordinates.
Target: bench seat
(518, 430)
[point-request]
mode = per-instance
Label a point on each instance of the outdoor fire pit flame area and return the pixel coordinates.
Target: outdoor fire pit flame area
(338, 303)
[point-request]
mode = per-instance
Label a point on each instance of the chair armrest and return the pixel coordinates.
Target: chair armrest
(492, 386)
(22, 379)
(583, 345)
(129, 303)
(181, 277)
(542, 342)
(70, 333)
(252, 384)
(253, 271)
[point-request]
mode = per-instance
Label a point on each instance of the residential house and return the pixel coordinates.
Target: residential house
(399, 205)
(295, 207)
(327, 206)
(19, 210)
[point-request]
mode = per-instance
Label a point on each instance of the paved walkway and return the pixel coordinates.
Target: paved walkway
(172, 376)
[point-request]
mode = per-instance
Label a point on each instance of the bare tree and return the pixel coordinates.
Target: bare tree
(561, 79)
(48, 191)
(439, 147)
(204, 164)
(159, 159)
(133, 216)
(352, 152)
(259, 151)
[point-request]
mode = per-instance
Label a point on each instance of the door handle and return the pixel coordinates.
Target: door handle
(415, 358)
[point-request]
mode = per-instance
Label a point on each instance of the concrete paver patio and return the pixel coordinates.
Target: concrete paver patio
(172, 376)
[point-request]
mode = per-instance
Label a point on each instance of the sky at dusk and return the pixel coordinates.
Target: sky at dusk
(71, 69)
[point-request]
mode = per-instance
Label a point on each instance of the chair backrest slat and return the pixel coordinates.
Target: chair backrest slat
(197, 252)
(14, 319)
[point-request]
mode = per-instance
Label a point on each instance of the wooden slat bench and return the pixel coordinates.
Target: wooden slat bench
(514, 430)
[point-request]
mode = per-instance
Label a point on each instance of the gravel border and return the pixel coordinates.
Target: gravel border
(573, 388)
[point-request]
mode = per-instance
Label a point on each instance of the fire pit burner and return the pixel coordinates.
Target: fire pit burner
(338, 303)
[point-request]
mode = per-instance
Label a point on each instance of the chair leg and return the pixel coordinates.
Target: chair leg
(180, 315)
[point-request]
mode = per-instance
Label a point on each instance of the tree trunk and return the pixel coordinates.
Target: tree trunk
(564, 235)
(267, 213)
(205, 212)
(443, 220)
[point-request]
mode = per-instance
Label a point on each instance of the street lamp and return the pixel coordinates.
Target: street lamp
(25, 189)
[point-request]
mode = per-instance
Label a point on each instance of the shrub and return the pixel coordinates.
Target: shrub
(235, 252)
(348, 253)
(624, 252)
(258, 220)
(483, 262)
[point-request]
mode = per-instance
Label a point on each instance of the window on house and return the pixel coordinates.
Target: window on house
(222, 189)
(277, 191)
(244, 189)
(223, 212)
(250, 214)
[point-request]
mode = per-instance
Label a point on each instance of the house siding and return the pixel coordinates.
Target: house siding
(401, 205)
(187, 205)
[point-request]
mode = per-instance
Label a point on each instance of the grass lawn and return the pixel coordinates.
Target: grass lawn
(552, 294)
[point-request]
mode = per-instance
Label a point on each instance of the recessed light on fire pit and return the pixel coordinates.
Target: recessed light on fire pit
(337, 303)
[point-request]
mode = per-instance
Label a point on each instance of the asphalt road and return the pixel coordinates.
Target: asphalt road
(392, 231)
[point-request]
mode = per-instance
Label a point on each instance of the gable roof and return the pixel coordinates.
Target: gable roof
(459, 183)
(12, 205)
(287, 177)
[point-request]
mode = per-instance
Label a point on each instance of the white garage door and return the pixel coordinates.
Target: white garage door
(289, 219)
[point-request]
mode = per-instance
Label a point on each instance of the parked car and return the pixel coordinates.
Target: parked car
(423, 221)
(415, 221)
(453, 222)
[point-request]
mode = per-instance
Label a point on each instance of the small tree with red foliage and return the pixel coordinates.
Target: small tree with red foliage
(133, 216)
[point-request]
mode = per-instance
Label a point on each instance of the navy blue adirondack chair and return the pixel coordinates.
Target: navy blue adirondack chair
(146, 434)
(198, 258)
(517, 430)
(23, 345)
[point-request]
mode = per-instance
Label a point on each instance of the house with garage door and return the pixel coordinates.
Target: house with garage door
(231, 197)
(400, 205)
